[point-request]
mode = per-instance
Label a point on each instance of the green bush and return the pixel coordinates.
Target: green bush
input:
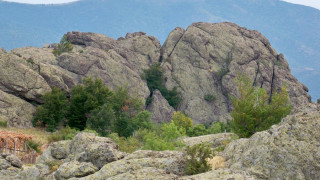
(128, 145)
(167, 138)
(218, 127)
(34, 145)
(222, 72)
(63, 134)
(121, 114)
(196, 158)
(197, 130)
(252, 112)
(3, 123)
(318, 101)
(83, 99)
(53, 110)
(181, 120)
(154, 78)
(209, 97)
(63, 46)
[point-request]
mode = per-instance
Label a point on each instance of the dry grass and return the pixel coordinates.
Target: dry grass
(38, 135)
(217, 162)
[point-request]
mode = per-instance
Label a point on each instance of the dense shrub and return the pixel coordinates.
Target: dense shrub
(219, 127)
(128, 145)
(154, 78)
(209, 97)
(197, 130)
(196, 158)
(53, 110)
(63, 46)
(318, 101)
(122, 114)
(168, 138)
(252, 112)
(34, 145)
(63, 134)
(83, 99)
(3, 123)
(181, 120)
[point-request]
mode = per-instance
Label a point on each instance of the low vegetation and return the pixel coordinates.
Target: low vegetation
(63, 46)
(209, 97)
(154, 78)
(197, 158)
(3, 123)
(253, 112)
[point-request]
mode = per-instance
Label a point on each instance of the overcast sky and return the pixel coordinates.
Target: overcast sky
(312, 3)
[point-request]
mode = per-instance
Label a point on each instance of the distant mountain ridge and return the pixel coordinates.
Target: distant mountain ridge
(292, 29)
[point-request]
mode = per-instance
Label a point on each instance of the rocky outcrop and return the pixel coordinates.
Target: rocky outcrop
(201, 61)
(10, 165)
(159, 108)
(288, 150)
(84, 147)
(16, 111)
(220, 174)
(205, 59)
(144, 165)
(74, 169)
(215, 140)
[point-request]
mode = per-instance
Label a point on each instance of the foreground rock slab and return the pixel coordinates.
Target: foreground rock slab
(289, 150)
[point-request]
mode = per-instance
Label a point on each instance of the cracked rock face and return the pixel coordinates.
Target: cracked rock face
(205, 59)
(202, 60)
(159, 108)
(289, 149)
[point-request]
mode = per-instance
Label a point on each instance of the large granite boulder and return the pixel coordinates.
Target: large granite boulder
(289, 150)
(84, 147)
(159, 108)
(74, 169)
(205, 59)
(144, 165)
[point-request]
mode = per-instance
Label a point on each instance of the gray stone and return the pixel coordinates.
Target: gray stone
(289, 149)
(74, 169)
(160, 109)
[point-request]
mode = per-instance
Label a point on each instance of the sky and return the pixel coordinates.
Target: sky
(312, 3)
(42, 1)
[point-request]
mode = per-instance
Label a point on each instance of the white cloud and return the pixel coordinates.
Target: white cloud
(311, 3)
(308, 69)
(42, 1)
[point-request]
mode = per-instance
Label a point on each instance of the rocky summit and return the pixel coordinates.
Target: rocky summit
(201, 61)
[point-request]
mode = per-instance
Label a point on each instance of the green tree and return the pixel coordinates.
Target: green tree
(154, 78)
(181, 120)
(196, 158)
(102, 120)
(53, 110)
(63, 46)
(197, 130)
(252, 112)
(84, 98)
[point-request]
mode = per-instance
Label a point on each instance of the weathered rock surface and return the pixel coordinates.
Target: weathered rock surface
(159, 108)
(289, 150)
(74, 169)
(16, 111)
(220, 174)
(10, 165)
(144, 165)
(84, 147)
(215, 140)
(206, 58)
